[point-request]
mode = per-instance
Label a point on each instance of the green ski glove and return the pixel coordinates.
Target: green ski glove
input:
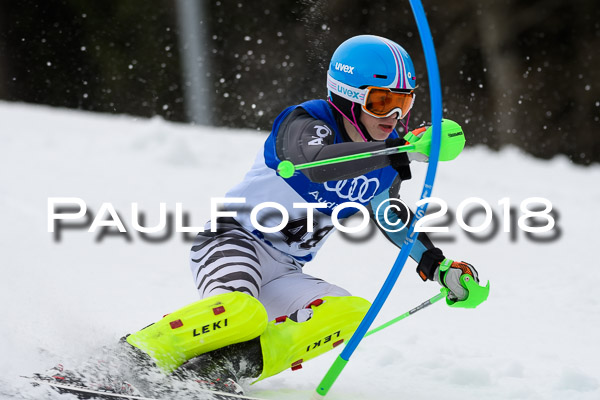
(448, 274)
(412, 137)
(460, 278)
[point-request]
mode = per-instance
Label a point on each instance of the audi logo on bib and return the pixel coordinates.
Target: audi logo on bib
(361, 188)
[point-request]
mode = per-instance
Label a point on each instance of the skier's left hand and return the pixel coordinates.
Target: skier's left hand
(448, 275)
(436, 267)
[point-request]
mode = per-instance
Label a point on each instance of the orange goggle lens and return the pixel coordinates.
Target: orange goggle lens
(381, 102)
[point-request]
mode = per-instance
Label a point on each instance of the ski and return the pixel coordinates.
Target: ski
(83, 392)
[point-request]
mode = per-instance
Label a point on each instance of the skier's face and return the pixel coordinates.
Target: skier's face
(379, 128)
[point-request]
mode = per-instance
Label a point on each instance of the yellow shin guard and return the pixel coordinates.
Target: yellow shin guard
(200, 327)
(287, 344)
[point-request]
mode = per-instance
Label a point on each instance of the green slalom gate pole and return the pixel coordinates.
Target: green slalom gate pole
(436, 118)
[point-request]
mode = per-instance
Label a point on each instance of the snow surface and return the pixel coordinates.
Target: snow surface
(535, 338)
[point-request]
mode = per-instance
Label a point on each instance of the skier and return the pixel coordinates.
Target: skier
(260, 313)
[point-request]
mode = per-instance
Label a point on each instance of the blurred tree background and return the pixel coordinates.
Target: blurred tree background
(520, 72)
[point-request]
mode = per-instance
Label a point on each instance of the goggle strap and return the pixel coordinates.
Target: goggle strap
(347, 92)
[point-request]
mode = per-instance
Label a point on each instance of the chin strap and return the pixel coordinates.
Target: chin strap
(356, 124)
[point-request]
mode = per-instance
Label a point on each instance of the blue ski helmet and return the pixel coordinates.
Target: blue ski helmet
(362, 61)
(369, 60)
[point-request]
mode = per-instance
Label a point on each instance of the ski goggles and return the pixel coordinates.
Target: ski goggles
(383, 102)
(379, 102)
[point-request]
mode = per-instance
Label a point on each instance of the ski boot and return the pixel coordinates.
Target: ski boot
(201, 327)
(333, 321)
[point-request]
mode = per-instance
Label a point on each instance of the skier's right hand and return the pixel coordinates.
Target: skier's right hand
(416, 134)
(413, 137)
